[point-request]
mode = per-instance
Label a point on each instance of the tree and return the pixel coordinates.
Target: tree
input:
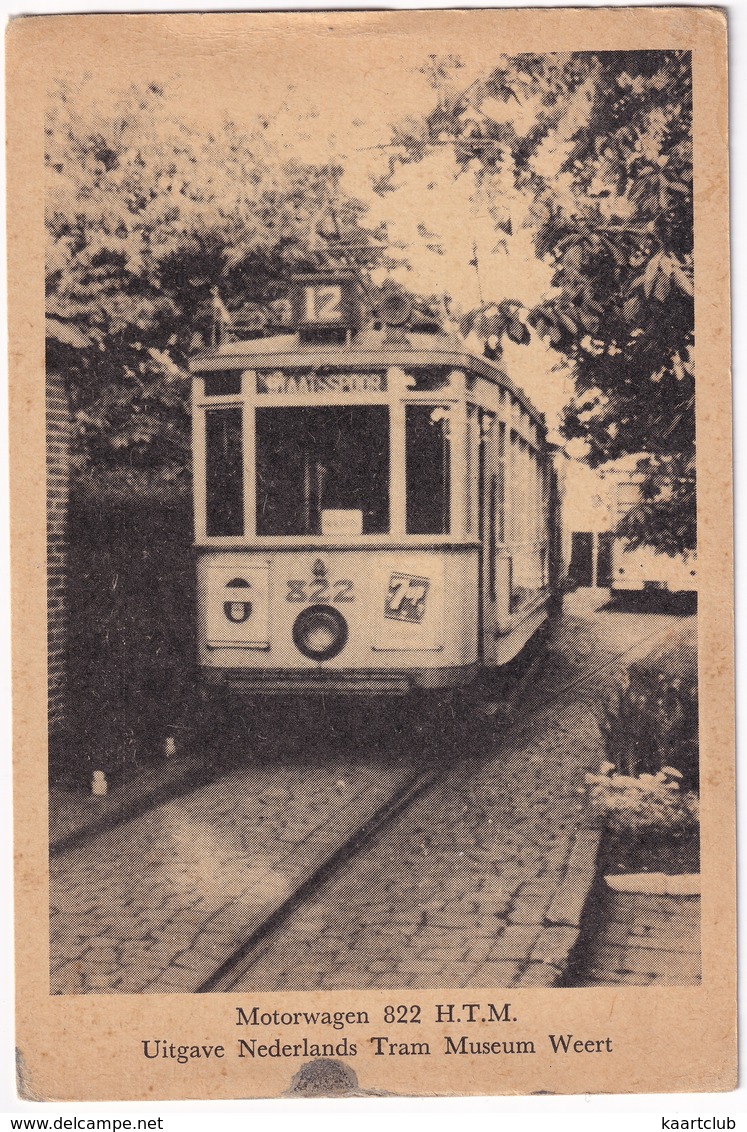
(599, 145)
(152, 225)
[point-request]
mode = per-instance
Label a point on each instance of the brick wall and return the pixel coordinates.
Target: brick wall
(58, 463)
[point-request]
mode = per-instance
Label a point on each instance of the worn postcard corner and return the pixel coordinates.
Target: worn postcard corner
(370, 648)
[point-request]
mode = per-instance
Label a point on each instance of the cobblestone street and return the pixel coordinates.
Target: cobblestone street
(479, 883)
(158, 903)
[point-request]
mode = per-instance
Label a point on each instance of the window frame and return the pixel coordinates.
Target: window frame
(454, 496)
(260, 407)
(467, 389)
(240, 459)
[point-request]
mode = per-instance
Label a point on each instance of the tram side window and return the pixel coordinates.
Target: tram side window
(315, 460)
(427, 459)
(224, 472)
(529, 557)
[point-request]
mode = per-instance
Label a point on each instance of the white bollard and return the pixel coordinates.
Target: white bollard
(170, 746)
(99, 784)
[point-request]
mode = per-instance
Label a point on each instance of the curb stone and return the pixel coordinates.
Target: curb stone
(570, 899)
(548, 959)
(656, 884)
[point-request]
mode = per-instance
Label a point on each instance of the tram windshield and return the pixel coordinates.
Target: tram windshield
(320, 466)
(427, 460)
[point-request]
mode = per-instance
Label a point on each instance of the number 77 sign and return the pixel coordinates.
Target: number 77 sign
(405, 600)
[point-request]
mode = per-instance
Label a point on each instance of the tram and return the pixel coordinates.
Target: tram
(375, 506)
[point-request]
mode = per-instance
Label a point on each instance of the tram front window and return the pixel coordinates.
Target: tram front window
(427, 457)
(224, 472)
(316, 461)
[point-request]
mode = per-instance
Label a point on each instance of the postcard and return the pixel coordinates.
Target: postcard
(372, 553)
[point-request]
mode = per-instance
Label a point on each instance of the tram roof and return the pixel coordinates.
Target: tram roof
(367, 348)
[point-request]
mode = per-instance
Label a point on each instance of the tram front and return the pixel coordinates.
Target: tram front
(335, 522)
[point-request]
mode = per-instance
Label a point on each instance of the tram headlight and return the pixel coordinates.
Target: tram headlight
(320, 632)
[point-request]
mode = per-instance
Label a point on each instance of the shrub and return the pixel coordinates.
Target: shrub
(648, 802)
(652, 722)
(132, 650)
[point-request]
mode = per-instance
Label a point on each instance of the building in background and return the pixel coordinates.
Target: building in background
(589, 521)
(594, 502)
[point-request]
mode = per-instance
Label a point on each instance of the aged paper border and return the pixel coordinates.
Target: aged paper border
(679, 1039)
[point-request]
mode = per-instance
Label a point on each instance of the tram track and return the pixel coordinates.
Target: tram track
(224, 978)
(231, 971)
(159, 789)
(323, 854)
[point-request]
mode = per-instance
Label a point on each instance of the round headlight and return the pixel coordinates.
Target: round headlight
(320, 632)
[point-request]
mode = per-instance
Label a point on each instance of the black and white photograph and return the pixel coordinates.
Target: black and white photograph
(372, 542)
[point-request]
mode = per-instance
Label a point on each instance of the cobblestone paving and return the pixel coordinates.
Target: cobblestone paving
(459, 892)
(463, 892)
(644, 941)
(456, 894)
(159, 903)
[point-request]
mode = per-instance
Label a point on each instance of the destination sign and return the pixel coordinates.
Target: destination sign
(286, 383)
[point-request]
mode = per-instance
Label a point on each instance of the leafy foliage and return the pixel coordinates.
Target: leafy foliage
(131, 592)
(652, 723)
(147, 218)
(646, 803)
(666, 505)
(599, 148)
